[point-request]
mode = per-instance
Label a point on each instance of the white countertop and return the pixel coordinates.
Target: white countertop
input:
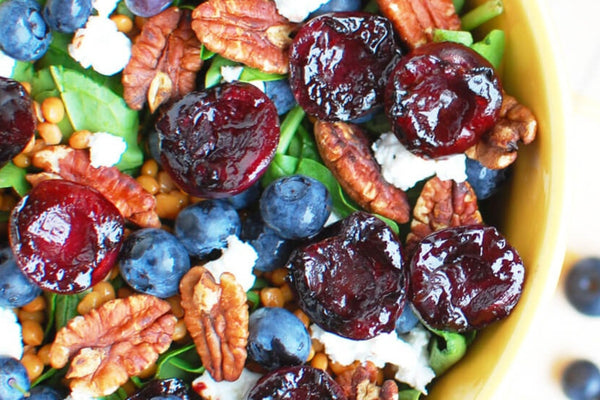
(561, 334)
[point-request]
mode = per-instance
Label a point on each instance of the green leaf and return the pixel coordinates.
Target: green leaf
(409, 394)
(282, 165)
(446, 349)
(12, 176)
(492, 47)
(92, 106)
(213, 74)
(179, 363)
(66, 308)
(458, 5)
(446, 35)
(253, 74)
(51, 311)
(206, 54)
(288, 128)
(49, 373)
(23, 71)
(481, 14)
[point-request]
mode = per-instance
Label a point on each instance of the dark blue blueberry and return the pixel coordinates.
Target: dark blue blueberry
(582, 286)
(154, 146)
(277, 338)
(337, 5)
(14, 382)
(166, 397)
(153, 261)
(44, 393)
(280, 93)
(407, 320)
(581, 380)
(273, 250)
(147, 8)
(246, 198)
(67, 15)
(15, 289)
(205, 226)
(296, 207)
(24, 34)
(485, 182)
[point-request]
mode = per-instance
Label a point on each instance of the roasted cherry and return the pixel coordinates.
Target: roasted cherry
(441, 98)
(339, 63)
(218, 142)
(65, 236)
(351, 281)
(17, 122)
(300, 382)
(464, 278)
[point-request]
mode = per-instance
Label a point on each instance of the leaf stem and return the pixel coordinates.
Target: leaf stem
(289, 126)
(481, 14)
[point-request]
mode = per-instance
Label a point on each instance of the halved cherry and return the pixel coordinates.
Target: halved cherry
(65, 236)
(17, 122)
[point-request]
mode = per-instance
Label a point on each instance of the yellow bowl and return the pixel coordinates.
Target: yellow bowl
(534, 219)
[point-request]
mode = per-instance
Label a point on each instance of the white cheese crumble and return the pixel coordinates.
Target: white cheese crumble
(232, 73)
(7, 65)
(297, 11)
(104, 7)
(403, 169)
(225, 390)
(12, 342)
(238, 259)
(77, 395)
(99, 44)
(408, 354)
(105, 149)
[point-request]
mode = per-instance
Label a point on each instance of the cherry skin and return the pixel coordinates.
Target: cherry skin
(65, 236)
(17, 122)
(441, 98)
(217, 143)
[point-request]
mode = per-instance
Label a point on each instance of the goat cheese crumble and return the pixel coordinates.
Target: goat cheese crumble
(104, 7)
(297, 11)
(105, 149)
(99, 44)
(12, 342)
(403, 169)
(408, 353)
(7, 65)
(224, 390)
(238, 258)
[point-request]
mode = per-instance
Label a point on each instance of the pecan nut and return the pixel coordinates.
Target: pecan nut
(360, 383)
(442, 204)
(119, 339)
(498, 147)
(415, 20)
(216, 316)
(130, 198)
(345, 150)
(165, 59)
(248, 31)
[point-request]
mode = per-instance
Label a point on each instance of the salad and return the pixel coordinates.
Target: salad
(250, 199)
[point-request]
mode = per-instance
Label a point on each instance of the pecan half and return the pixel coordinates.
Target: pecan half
(216, 316)
(415, 20)
(442, 204)
(497, 148)
(360, 383)
(165, 59)
(346, 151)
(130, 198)
(248, 31)
(119, 339)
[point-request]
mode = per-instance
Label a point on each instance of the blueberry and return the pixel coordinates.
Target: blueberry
(296, 207)
(67, 15)
(15, 289)
(407, 320)
(277, 338)
(152, 261)
(485, 182)
(280, 93)
(14, 382)
(166, 397)
(24, 34)
(273, 250)
(154, 146)
(44, 393)
(581, 380)
(246, 198)
(337, 5)
(582, 286)
(204, 227)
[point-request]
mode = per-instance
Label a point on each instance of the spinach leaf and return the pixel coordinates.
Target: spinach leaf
(253, 74)
(446, 349)
(14, 177)
(23, 71)
(182, 362)
(92, 106)
(409, 394)
(66, 308)
(213, 74)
